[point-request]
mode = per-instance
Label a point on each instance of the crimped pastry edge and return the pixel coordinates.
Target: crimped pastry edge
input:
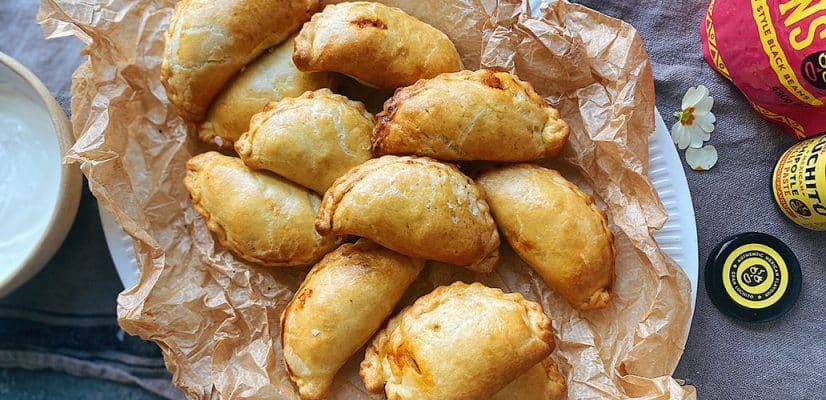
(554, 126)
(601, 297)
(303, 49)
(193, 166)
(371, 368)
(324, 222)
(243, 146)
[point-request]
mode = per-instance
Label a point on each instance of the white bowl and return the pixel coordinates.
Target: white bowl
(39, 195)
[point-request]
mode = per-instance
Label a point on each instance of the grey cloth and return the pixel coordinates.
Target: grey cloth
(724, 359)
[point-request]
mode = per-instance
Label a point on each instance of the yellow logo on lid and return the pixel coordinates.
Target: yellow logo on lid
(755, 276)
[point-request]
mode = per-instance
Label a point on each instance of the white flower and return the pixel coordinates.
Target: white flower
(695, 120)
(701, 159)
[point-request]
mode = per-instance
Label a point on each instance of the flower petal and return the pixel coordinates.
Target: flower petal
(704, 122)
(696, 142)
(703, 106)
(696, 136)
(701, 159)
(680, 136)
(693, 96)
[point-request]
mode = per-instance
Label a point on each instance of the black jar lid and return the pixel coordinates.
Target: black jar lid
(753, 277)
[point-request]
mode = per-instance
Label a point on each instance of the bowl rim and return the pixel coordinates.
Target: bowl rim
(65, 207)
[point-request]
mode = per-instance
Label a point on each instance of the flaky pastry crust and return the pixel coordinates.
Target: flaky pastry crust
(459, 342)
(480, 115)
(556, 228)
(416, 206)
(208, 41)
(380, 46)
(341, 304)
(311, 140)
(258, 216)
(542, 382)
(271, 77)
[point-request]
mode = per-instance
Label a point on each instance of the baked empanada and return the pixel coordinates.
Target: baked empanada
(258, 216)
(542, 382)
(556, 228)
(341, 304)
(311, 140)
(481, 115)
(416, 206)
(208, 41)
(380, 46)
(460, 342)
(271, 77)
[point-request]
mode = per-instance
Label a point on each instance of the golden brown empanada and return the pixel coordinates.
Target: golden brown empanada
(460, 342)
(381, 46)
(556, 228)
(258, 216)
(416, 206)
(341, 304)
(542, 382)
(481, 115)
(208, 41)
(310, 140)
(271, 77)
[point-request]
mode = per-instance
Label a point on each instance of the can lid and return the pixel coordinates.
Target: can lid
(753, 277)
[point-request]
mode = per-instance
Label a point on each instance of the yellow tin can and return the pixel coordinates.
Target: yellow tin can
(799, 183)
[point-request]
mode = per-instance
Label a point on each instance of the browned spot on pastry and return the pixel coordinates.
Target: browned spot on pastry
(491, 80)
(519, 242)
(364, 22)
(524, 244)
(415, 365)
(270, 106)
(301, 59)
(302, 297)
(403, 357)
(381, 130)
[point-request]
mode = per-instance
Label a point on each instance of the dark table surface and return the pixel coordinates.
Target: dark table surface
(724, 358)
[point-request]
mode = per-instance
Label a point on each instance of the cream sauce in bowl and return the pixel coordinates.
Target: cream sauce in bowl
(29, 175)
(39, 195)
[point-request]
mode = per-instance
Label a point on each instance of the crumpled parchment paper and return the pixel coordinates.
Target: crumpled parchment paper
(216, 318)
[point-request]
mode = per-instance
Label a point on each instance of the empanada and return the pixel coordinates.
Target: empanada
(542, 382)
(481, 115)
(208, 41)
(460, 342)
(341, 304)
(258, 216)
(381, 46)
(416, 206)
(556, 228)
(271, 77)
(310, 140)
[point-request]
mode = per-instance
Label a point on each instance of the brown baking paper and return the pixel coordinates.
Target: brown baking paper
(216, 318)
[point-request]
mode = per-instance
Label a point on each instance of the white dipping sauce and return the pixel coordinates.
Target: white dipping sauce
(29, 175)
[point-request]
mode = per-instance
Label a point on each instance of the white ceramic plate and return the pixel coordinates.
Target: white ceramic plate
(678, 237)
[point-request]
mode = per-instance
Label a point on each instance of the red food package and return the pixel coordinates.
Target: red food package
(774, 51)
